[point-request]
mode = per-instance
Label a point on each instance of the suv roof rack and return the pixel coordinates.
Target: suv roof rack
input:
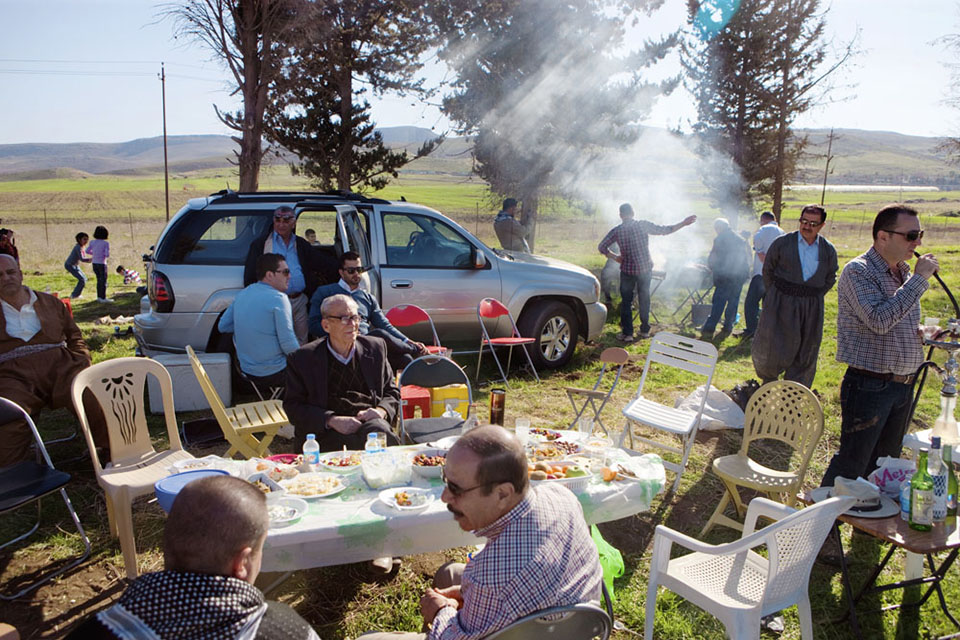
(228, 195)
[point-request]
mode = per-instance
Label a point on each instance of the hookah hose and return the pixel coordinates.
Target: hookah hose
(946, 289)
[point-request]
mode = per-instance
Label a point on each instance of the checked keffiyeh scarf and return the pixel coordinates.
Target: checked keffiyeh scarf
(173, 604)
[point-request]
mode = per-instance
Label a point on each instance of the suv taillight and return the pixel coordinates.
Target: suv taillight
(161, 293)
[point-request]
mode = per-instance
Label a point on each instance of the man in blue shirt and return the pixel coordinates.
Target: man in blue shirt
(261, 320)
(401, 350)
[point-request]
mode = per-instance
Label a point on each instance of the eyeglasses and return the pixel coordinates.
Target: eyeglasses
(911, 236)
(283, 218)
(353, 270)
(285, 272)
(348, 319)
(455, 489)
(809, 223)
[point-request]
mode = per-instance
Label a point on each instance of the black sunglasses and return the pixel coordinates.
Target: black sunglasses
(285, 272)
(284, 218)
(911, 236)
(809, 223)
(353, 270)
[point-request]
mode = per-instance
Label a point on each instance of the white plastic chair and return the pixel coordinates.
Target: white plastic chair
(684, 353)
(738, 585)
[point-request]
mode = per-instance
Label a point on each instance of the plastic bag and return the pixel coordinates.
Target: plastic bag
(890, 473)
(610, 559)
(719, 411)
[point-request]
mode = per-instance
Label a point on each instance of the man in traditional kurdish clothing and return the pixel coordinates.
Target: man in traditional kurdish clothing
(798, 271)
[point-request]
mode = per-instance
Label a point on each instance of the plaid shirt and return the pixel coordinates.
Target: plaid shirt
(631, 235)
(878, 316)
(538, 555)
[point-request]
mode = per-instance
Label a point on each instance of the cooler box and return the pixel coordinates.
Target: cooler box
(187, 394)
(439, 396)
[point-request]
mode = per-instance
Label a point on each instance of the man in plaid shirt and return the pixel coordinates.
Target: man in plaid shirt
(635, 265)
(539, 553)
(878, 336)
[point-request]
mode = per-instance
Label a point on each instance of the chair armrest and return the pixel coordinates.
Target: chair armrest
(766, 508)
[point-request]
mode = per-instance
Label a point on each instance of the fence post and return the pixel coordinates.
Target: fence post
(46, 234)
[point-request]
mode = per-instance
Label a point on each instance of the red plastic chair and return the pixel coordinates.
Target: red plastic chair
(406, 315)
(492, 308)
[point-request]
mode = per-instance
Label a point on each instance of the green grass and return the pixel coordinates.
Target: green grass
(342, 602)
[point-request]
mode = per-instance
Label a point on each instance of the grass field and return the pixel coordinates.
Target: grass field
(343, 602)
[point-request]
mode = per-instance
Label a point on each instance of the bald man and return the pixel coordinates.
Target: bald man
(41, 351)
(212, 546)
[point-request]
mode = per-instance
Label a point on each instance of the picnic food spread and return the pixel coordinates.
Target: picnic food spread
(423, 460)
(312, 485)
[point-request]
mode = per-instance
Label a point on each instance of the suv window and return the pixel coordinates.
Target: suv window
(415, 240)
(214, 237)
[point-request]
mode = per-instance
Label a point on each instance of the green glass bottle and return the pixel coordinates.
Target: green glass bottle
(921, 496)
(951, 482)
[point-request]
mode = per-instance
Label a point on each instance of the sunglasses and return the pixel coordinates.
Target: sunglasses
(911, 236)
(456, 490)
(285, 272)
(809, 223)
(353, 270)
(283, 218)
(348, 319)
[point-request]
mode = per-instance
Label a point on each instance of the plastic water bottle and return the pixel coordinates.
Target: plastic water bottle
(372, 446)
(905, 500)
(472, 420)
(311, 450)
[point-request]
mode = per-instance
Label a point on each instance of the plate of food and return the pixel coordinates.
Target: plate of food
(268, 485)
(574, 476)
(314, 485)
(193, 464)
(544, 435)
(286, 510)
(407, 498)
(295, 459)
(429, 462)
(555, 450)
(340, 461)
(276, 470)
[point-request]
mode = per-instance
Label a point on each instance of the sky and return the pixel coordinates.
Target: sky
(88, 71)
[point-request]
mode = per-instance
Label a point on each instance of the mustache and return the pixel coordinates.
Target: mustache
(454, 511)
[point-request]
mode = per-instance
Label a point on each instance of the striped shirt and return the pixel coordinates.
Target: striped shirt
(633, 238)
(539, 555)
(878, 316)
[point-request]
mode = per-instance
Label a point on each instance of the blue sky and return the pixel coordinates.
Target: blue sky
(87, 71)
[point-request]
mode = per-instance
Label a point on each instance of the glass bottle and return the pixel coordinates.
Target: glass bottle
(921, 496)
(945, 426)
(938, 472)
(951, 482)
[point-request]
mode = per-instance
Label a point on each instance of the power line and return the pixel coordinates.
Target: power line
(151, 62)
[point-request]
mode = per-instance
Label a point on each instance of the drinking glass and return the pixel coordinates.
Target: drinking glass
(585, 426)
(381, 440)
(522, 429)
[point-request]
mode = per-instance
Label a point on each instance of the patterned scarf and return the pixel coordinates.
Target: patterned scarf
(172, 604)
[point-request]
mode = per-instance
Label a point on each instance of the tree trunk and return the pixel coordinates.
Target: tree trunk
(254, 96)
(782, 130)
(345, 89)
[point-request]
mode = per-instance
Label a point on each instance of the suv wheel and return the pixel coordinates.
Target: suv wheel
(554, 324)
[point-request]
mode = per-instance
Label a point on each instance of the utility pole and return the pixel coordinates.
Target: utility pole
(166, 172)
(826, 168)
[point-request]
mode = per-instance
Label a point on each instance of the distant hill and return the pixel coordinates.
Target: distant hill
(860, 157)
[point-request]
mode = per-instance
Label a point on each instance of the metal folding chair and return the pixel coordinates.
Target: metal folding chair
(581, 621)
(429, 372)
(491, 308)
(407, 315)
(614, 356)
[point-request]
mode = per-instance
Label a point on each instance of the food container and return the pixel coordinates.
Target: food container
(386, 469)
(286, 510)
(167, 489)
(428, 470)
(575, 484)
(270, 487)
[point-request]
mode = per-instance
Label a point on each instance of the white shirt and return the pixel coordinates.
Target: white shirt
(22, 324)
(762, 240)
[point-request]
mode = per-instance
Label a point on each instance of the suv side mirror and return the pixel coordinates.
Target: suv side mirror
(479, 259)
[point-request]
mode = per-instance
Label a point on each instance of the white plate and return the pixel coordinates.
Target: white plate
(388, 497)
(332, 455)
(563, 452)
(286, 510)
(445, 443)
(428, 472)
(549, 435)
(332, 479)
(193, 464)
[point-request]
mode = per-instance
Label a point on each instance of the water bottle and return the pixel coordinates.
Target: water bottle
(311, 450)
(372, 446)
(905, 500)
(938, 472)
(472, 420)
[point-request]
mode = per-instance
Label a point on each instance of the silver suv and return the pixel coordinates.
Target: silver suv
(418, 256)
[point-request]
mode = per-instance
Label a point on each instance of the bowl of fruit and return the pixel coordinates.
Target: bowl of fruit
(574, 476)
(429, 462)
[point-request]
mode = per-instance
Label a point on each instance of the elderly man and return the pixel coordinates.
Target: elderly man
(730, 265)
(538, 554)
(41, 351)
(511, 233)
(636, 266)
(798, 271)
(762, 239)
(212, 546)
(401, 350)
(341, 387)
(261, 321)
(878, 338)
(307, 265)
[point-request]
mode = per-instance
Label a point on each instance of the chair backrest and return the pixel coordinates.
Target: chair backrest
(10, 411)
(406, 315)
(118, 386)
(209, 391)
(785, 411)
(574, 622)
(435, 371)
(491, 308)
(695, 356)
(615, 355)
(793, 544)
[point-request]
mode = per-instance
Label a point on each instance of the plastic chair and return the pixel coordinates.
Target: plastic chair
(612, 356)
(135, 465)
(784, 411)
(573, 622)
(491, 308)
(241, 422)
(29, 481)
(429, 372)
(738, 585)
(407, 315)
(683, 353)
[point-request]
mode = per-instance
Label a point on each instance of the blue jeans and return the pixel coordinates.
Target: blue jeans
(628, 284)
(100, 270)
(751, 306)
(81, 279)
(873, 420)
(726, 295)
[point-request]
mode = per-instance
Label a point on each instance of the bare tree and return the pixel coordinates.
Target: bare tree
(241, 34)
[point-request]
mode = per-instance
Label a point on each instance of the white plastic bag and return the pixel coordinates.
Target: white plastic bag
(720, 412)
(890, 473)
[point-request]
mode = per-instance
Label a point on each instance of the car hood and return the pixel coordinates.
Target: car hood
(532, 259)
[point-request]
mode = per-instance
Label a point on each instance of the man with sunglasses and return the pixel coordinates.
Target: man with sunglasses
(538, 554)
(878, 337)
(798, 270)
(308, 265)
(261, 320)
(401, 350)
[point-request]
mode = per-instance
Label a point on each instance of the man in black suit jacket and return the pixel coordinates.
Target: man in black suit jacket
(341, 387)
